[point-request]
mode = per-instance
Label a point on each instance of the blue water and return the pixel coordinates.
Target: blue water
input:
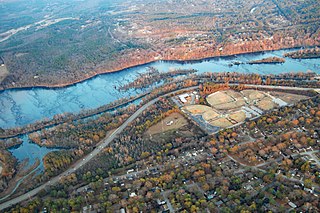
(20, 107)
(30, 151)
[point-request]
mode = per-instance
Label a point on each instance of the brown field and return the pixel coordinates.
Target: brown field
(289, 97)
(234, 94)
(225, 100)
(221, 122)
(253, 94)
(3, 72)
(197, 109)
(218, 98)
(178, 122)
(266, 104)
(209, 115)
(231, 105)
(238, 116)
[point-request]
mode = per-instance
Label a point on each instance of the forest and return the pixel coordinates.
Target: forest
(72, 45)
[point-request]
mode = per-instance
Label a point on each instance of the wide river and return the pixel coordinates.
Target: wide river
(19, 107)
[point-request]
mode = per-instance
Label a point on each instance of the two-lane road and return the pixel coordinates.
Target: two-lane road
(105, 142)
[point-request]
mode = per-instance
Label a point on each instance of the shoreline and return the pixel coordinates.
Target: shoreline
(65, 85)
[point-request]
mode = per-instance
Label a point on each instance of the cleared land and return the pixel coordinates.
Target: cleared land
(177, 119)
(206, 112)
(197, 109)
(226, 106)
(238, 116)
(209, 115)
(253, 94)
(218, 98)
(225, 100)
(266, 104)
(289, 97)
(221, 122)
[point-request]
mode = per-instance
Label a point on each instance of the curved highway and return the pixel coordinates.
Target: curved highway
(105, 142)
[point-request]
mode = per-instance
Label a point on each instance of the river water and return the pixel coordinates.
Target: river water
(20, 107)
(31, 152)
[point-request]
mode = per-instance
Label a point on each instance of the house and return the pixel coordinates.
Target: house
(292, 205)
(130, 171)
(183, 97)
(219, 203)
(133, 194)
(161, 202)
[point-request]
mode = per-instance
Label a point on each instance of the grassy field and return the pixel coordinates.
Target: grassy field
(178, 122)
(266, 104)
(197, 109)
(288, 97)
(253, 94)
(221, 122)
(225, 100)
(219, 98)
(238, 116)
(209, 115)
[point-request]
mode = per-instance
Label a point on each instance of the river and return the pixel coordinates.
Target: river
(20, 107)
(31, 152)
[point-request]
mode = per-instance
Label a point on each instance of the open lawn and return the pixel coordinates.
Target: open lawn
(218, 98)
(224, 100)
(221, 122)
(176, 119)
(238, 116)
(253, 94)
(207, 112)
(231, 105)
(209, 115)
(266, 104)
(197, 109)
(289, 97)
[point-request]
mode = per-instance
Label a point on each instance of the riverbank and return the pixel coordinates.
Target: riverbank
(270, 60)
(136, 65)
(31, 128)
(304, 54)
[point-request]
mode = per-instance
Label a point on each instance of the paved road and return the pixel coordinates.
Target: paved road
(281, 175)
(278, 87)
(165, 196)
(87, 158)
(105, 143)
(18, 184)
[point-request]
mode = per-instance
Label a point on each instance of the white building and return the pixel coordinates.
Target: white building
(183, 97)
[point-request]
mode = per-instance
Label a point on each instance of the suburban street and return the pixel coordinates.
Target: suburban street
(106, 141)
